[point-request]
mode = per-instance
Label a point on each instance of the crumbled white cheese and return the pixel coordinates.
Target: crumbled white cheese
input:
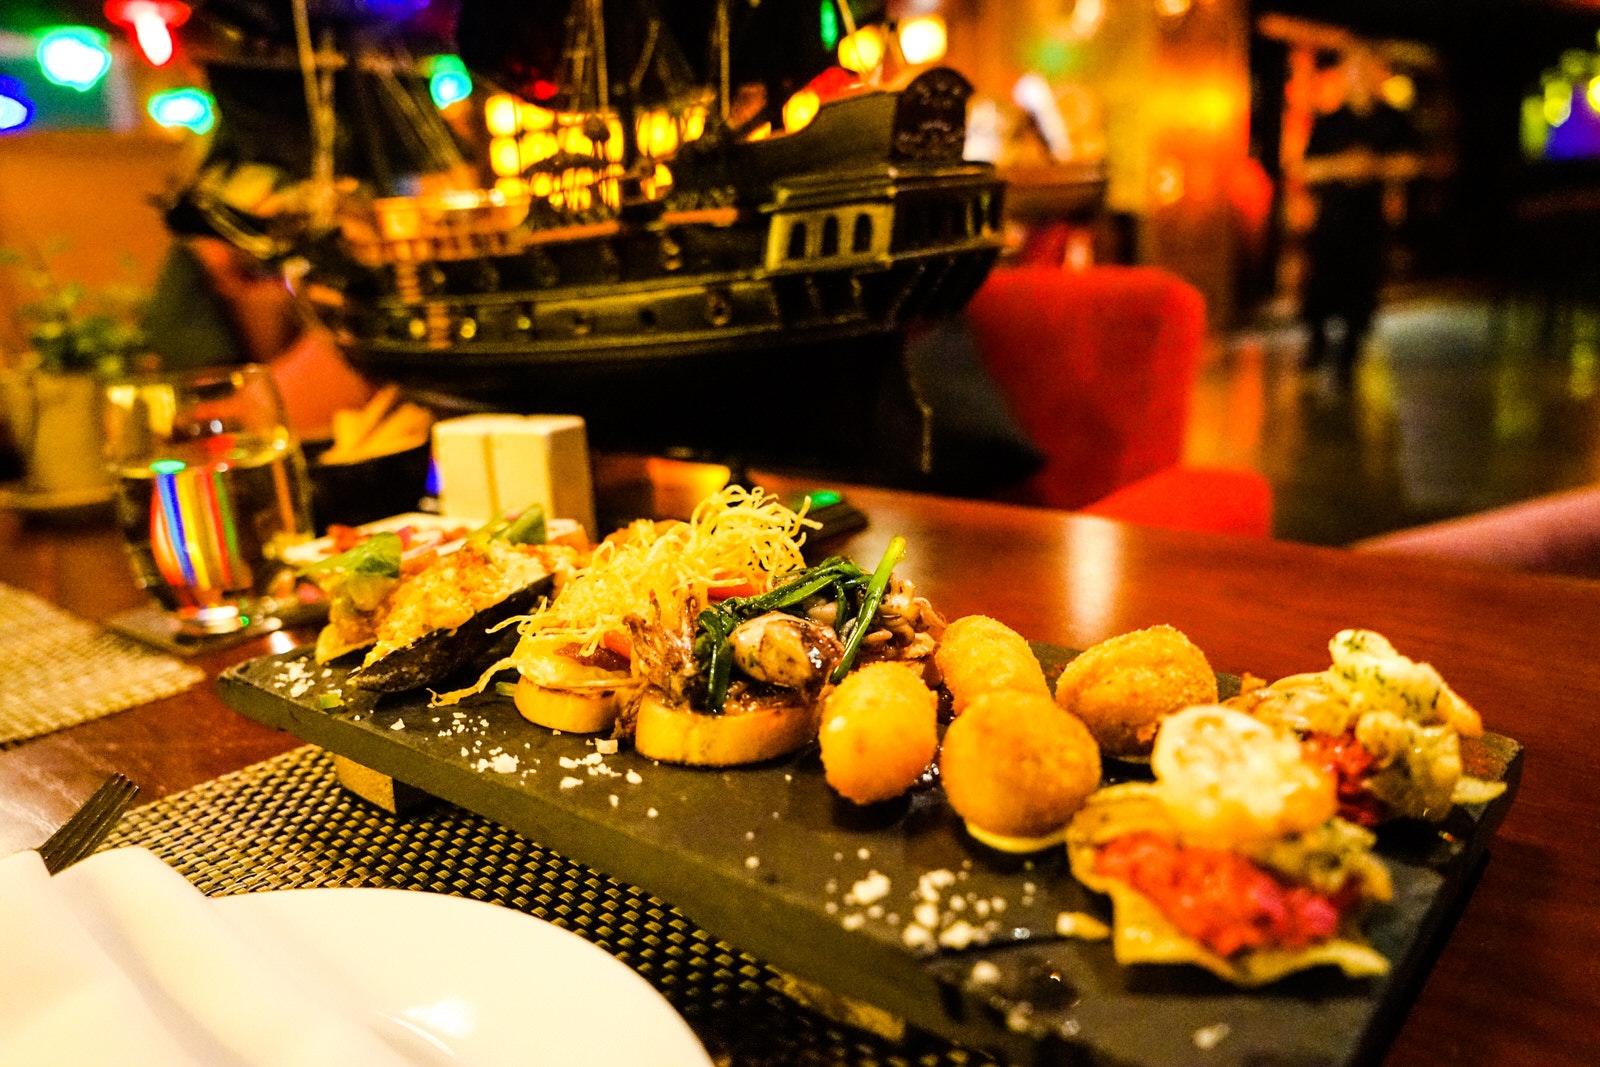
(752, 862)
(634, 778)
(570, 782)
(931, 882)
(606, 746)
(1209, 1037)
(984, 972)
(874, 887)
(504, 763)
(398, 724)
(958, 935)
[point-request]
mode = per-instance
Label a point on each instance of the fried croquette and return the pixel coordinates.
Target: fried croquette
(880, 731)
(978, 654)
(1016, 768)
(1122, 687)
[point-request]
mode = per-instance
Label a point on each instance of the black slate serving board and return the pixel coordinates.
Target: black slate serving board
(894, 905)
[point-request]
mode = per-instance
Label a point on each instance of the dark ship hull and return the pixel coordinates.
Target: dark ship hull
(852, 227)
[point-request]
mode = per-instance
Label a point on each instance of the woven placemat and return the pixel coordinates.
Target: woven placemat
(287, 824)
(58, 670)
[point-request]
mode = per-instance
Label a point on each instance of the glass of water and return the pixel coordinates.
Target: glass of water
(211, 488)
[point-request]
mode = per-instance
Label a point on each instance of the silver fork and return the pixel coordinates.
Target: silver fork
(82, 833)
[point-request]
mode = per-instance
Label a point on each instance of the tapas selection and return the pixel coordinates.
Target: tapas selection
(711, 642)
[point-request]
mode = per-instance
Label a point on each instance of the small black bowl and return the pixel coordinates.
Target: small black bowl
(349, 494)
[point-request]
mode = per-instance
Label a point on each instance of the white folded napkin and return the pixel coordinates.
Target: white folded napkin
(120, 960)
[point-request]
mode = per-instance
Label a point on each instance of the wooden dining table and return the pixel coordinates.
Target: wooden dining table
(1516, 982)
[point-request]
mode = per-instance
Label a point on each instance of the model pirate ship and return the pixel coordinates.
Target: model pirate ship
(607, 200)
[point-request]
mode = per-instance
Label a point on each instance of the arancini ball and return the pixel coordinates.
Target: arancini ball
(978, 654)
(880, 731)
(1016, 768)
(1123, 686)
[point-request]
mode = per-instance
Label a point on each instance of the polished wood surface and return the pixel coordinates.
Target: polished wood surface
(1519, 979)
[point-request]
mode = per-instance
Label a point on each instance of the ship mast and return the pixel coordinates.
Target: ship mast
(318, 81)
(721, 46)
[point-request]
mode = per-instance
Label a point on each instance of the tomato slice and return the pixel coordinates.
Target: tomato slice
(738, 585)
(618, 642)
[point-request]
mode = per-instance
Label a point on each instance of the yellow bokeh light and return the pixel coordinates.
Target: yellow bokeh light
(862, 51)
(1212, 107)
(657, 132)
(694, 123)
(800, 109)
(614, 141)
(923, 39)
(1592, 94)
(500, 114)
(536, 148)
(1398, 91)
(504, 157)
(1169, 183)
(1557, 102)
(534, 117)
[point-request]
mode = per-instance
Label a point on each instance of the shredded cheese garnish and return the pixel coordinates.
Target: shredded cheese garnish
(735, 537)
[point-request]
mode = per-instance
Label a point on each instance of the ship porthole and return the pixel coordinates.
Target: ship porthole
(718, 309)
(582, 323)
(468, 329)
(647, 318)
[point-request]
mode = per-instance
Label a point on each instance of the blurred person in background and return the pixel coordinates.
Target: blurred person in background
(1355, 152)
(215, 304)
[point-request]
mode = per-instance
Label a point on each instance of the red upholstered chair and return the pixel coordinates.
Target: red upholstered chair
(1098, 366)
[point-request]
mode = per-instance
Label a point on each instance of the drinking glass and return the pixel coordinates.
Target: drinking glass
(211, 489)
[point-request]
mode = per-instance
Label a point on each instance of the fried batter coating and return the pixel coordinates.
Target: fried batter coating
(1122, 687)
(978, 654)
(1016, 768)
(880, 731)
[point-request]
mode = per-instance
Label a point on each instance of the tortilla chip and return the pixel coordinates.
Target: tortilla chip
(1142, 934)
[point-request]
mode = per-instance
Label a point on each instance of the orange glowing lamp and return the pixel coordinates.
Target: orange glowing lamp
(150, 22)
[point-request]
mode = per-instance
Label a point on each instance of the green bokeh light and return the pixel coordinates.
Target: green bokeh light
(1054, 58)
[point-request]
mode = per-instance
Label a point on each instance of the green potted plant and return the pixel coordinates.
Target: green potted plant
(75, 338)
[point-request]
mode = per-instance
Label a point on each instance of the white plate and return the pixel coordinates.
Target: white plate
(430, 527)
(459, 981)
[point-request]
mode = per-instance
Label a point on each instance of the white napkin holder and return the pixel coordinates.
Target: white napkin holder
(490, 464)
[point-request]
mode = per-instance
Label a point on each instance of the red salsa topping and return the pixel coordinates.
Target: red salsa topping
(1220, 898)
(1343, 757)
